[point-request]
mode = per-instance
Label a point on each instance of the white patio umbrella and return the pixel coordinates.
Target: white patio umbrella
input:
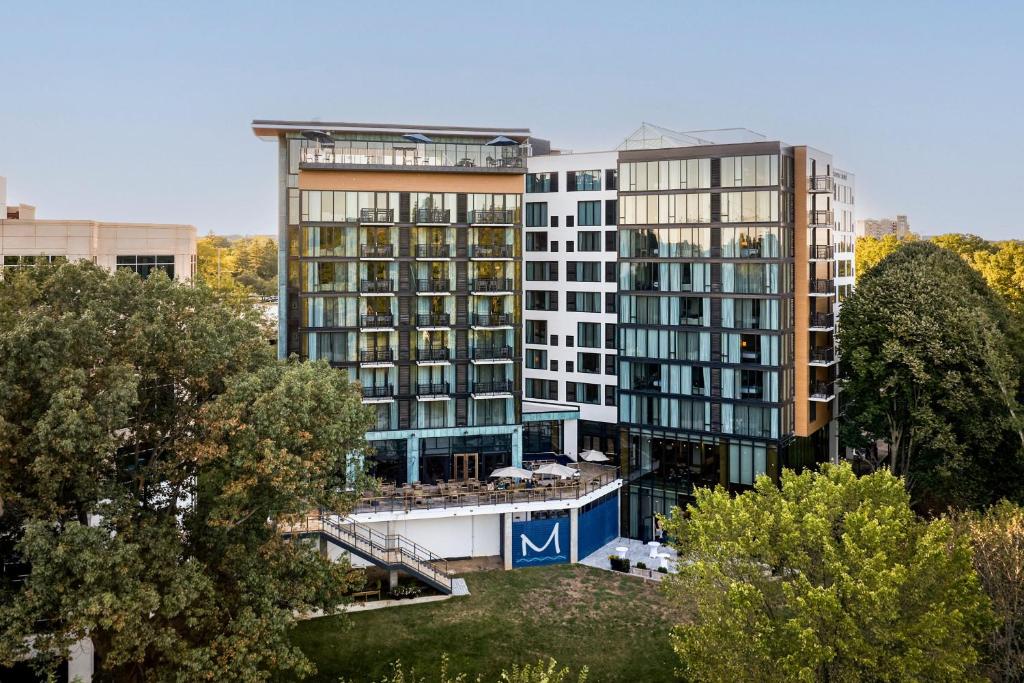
(556, 470)
(511, 473)
(594, 456)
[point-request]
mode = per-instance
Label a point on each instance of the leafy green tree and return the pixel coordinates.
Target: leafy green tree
(931, 366)
(829, 577)
(997, 539)
(152, 451)
(247, 265)
(540, 672)
(1003, 270)
(964, 244)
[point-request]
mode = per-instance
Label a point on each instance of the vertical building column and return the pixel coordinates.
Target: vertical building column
(517, 447)
(412, 459)
(570, 437)
(574, 535)
(506, 549)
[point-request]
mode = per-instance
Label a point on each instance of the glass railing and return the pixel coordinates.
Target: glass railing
(822, 320)
(821, 251)
(445, 155)
(819, 286)
(822, 389)
(823, 354)
(820, 218)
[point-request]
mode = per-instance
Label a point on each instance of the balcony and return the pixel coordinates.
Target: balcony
(822, 322)
(433, 320)
(378, 393)
(496, 353)
(492, 320)
(822, 392)
(433, 216)
(377, 286)
(752, 392)
(820, 252)
(434, 285)
(376, 320)
(822, 356)
(376, 216)
(490, 284)
(377, 251)
(432, 391)
(382, 356)
(501, 386)
(433, 251)
(821, 219)
(433, 354)
(820, 184)
(492, 217)
(491, 251)
(820, 287)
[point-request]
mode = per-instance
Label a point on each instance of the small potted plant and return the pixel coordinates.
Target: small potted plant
(619, 564)
(641, 565)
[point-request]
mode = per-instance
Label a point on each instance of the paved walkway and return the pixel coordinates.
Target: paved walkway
(638, 551)
(459, 587)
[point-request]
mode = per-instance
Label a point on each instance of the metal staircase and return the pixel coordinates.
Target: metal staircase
(388, 551)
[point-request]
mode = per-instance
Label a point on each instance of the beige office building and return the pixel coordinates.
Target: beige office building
(26, 240)
(880, 227)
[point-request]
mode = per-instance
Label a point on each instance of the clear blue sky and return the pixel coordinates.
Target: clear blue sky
(141, 110)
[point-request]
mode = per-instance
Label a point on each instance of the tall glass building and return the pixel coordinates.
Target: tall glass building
(725, 315)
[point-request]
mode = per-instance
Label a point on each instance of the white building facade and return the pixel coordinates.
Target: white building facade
(569, 294)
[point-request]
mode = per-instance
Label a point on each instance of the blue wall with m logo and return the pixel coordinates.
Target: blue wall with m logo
(540, 542)
(598, 525)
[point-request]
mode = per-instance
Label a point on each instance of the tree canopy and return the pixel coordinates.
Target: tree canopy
(931, 366)
(151, 448)
(246, 264)
(829, 577)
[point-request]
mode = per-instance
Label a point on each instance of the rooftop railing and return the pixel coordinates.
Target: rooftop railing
(412, 154)
(446, 495)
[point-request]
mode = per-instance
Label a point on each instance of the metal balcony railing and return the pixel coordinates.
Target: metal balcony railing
(377, 356)
(492, 319)
(822, 354)
(433, 389)
(491, 284)
(376, 215)
(501, 386)
(376, 286)
(822, 218)
(376, 251)
(492, 217)
(819, 286)
(821, 251)
(491, 251)
(822, 320)
(377, 320)
(433, 320)
(434, 285)
(822, 389)
(820, 183)
(433, 353)
(492, 353)
(433, 216)
(385, 391)
(433, 251)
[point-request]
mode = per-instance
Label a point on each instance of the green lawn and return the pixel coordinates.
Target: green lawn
(614, 624)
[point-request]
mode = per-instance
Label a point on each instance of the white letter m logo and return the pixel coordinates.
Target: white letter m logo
(552, 538)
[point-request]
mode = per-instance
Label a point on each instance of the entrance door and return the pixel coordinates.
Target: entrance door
(466, 466)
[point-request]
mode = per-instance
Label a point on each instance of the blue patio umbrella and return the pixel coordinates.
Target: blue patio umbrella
(417, 137)
(501, 141)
